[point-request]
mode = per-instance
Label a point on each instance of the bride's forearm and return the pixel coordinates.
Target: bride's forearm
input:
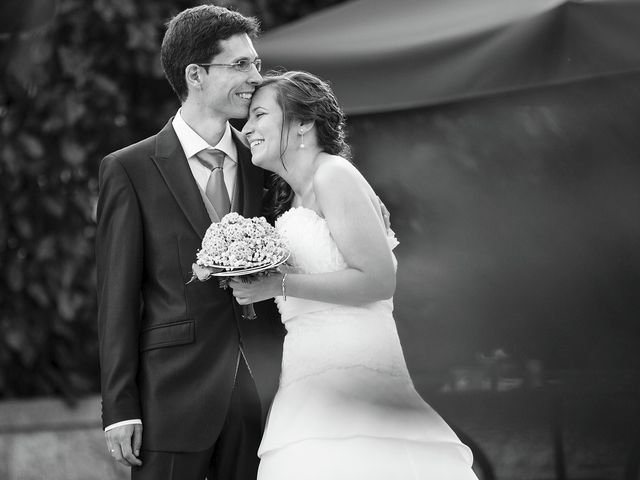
(346, 287)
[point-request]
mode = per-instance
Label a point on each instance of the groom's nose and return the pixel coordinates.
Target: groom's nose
(255, 78)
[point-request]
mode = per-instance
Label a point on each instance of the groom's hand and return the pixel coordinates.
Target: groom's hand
(124, 443)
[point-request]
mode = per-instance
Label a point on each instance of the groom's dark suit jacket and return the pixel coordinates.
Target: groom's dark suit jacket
(169, 349)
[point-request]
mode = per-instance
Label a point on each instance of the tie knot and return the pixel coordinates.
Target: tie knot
(211, 159)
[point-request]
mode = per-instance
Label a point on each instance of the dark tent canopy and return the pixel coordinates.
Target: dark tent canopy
(382, 56)
(502, 135)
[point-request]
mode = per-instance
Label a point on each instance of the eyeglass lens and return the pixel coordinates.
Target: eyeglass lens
(245, 65)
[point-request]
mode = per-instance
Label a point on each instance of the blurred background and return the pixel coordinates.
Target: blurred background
(503, 137)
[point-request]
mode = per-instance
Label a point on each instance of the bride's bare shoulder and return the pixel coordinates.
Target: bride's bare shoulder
(334, 168)
(338, 179)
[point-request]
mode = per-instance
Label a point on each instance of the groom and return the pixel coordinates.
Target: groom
(185, 380)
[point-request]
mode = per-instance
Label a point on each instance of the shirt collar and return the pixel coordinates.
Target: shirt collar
(192, 143)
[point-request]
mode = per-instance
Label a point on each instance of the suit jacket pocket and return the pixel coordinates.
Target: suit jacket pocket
(168, 335)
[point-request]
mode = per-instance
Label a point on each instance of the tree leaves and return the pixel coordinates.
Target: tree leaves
(87, 85)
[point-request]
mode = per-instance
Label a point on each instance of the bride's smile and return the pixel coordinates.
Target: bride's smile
(264, 129)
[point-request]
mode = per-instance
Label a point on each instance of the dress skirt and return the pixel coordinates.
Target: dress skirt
(365, 458)
(346, 408)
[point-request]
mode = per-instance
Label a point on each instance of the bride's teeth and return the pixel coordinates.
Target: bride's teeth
(246, 96)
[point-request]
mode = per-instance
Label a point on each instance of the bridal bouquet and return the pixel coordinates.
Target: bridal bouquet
(239, 246)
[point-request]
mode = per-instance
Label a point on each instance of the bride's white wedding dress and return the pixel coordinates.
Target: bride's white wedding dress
(346, 407)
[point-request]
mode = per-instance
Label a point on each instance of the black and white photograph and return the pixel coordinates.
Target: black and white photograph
(320, 240)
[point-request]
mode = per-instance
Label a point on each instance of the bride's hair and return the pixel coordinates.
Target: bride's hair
(305, 97)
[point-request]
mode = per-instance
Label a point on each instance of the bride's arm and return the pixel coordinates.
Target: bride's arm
(345, 201)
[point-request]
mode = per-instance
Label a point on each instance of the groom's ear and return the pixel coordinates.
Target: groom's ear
(192, 76)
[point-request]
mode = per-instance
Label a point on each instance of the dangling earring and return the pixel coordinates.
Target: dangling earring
(302, 139)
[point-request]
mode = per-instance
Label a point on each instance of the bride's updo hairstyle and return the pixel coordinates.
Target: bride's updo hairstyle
(306, 98)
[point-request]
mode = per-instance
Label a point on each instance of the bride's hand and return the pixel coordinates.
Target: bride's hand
(256, 289)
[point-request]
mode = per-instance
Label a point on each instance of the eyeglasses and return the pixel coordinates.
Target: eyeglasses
(243, 65)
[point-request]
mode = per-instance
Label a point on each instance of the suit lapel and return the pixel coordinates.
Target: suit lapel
(172, 164)
(247, 198)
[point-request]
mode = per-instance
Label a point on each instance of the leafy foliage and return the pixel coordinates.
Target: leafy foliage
(88, 83)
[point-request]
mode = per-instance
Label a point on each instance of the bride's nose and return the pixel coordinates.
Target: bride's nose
(248, 128)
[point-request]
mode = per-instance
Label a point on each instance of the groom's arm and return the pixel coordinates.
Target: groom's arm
(119, 268)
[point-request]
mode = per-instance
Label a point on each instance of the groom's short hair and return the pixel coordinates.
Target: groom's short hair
(193, 36)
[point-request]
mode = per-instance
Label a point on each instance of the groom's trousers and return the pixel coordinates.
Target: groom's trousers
(234, 456)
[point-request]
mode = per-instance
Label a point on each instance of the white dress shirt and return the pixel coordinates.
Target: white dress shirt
(192, 143)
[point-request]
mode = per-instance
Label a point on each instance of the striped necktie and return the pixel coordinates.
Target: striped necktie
(216, 189)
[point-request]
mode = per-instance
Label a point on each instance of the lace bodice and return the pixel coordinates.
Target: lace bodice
(302, 227)
(339, 336)
(313, 250)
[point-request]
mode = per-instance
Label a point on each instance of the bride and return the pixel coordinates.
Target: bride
(346, 407)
